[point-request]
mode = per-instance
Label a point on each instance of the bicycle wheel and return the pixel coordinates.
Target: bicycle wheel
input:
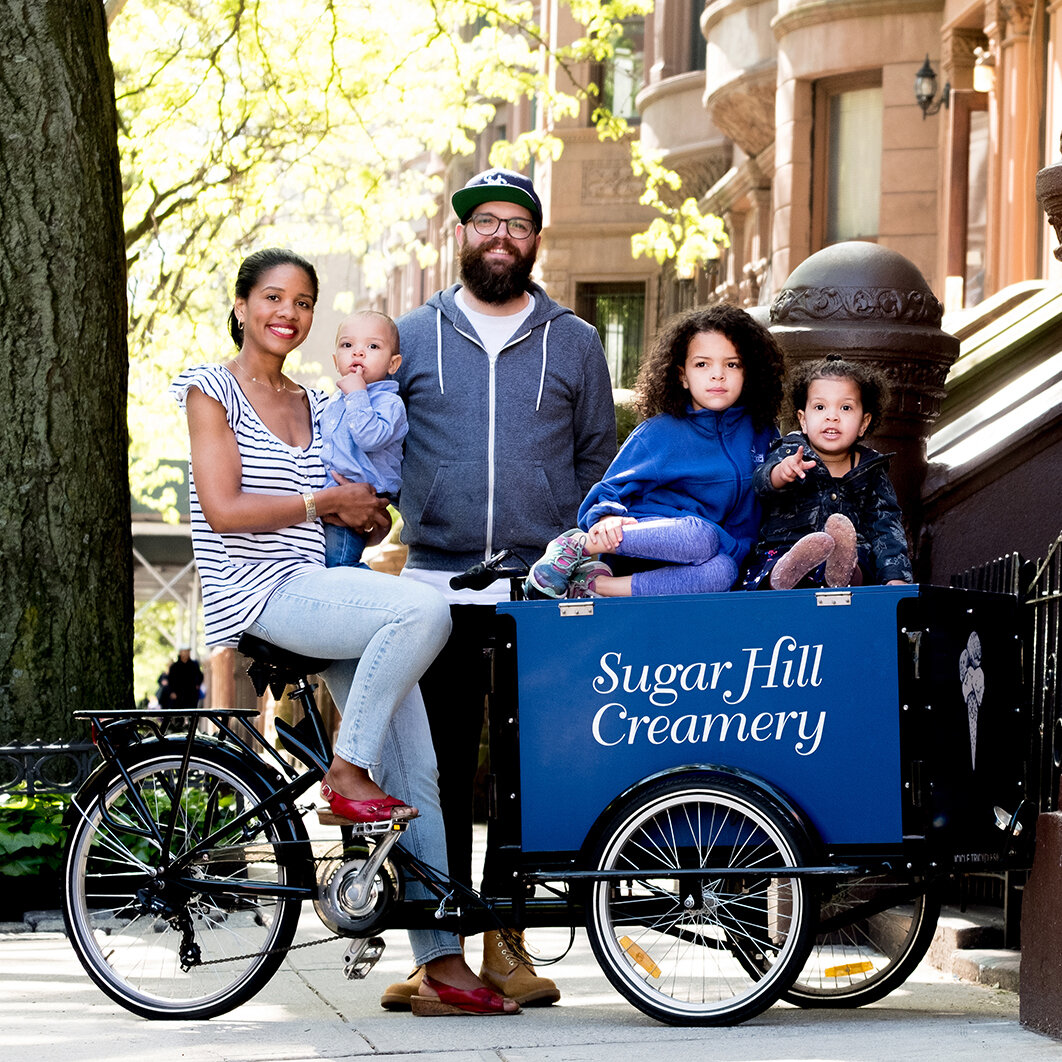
(872, 933)
(161, 949)
(703, 949)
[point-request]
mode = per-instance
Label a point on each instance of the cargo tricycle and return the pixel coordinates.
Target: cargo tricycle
(742, 797)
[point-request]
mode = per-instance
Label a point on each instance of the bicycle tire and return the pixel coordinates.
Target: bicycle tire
(127, 925)
(700, 951)
(871, 946)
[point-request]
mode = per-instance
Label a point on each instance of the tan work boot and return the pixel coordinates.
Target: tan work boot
(397, 996)
(506, 970)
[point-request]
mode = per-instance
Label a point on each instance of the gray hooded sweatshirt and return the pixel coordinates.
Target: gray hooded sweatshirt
(500, 452)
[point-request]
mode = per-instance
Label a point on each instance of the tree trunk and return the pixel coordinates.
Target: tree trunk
(65, 539)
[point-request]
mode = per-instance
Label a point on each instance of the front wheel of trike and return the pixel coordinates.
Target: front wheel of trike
(722, 941)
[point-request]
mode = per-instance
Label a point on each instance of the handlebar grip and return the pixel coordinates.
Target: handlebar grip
(481, 575)
(478, 577)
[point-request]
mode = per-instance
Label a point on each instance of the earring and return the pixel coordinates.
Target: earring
(239, 324)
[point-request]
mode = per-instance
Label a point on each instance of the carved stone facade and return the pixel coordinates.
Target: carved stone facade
(610, 183)
(744, 109)
(1049, 196)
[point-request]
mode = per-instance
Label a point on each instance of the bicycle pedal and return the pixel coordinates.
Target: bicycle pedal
(361, 957)
(327, 817)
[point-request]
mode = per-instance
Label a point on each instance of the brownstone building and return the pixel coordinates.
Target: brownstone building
(797, 122)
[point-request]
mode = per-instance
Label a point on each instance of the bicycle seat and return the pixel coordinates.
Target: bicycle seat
(264, 652)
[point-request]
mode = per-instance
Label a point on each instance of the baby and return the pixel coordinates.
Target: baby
(364, 422)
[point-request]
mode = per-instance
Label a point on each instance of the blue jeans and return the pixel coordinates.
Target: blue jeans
(382, 633)
(343, 546)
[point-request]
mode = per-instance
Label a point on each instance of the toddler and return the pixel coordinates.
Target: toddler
(363, 423)
(830, 514)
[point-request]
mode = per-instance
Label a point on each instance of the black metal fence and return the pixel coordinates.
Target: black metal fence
(45, 769)
(1039, 585)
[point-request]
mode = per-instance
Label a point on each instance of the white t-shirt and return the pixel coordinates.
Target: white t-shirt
(494, 332)
(440, 580)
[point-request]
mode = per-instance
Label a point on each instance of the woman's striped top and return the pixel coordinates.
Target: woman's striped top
(239, 571)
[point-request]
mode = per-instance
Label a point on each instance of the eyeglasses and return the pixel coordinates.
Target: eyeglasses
(488, 225)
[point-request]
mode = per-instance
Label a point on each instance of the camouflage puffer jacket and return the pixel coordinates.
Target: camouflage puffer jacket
(865, 495)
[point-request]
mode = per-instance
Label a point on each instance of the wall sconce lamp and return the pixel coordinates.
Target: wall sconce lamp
(984, 71)
(926, 89)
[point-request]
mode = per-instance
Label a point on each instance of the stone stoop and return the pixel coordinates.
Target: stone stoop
(968, 944)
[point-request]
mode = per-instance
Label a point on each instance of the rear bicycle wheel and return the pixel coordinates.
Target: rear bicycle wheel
(873, 931)
(159, 948)
(711, 948)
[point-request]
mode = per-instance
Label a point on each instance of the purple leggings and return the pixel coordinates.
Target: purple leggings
(691, 544)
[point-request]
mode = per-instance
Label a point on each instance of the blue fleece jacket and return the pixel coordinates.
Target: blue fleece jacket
(697, 465)
(500, 451)
(361, 436)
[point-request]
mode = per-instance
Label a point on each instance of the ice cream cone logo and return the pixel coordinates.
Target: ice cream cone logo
(973, 687)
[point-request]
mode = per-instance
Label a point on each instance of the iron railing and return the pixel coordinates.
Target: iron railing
(45, 769)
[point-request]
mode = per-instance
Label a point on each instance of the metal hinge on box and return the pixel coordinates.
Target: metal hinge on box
(576, 608)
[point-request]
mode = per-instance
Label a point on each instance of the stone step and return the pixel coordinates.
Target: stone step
(968, 944)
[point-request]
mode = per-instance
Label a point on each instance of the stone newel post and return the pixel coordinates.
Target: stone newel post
(1040, 1003)
(871, 304)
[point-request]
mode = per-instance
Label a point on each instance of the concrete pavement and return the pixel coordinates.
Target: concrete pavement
(51, 1012)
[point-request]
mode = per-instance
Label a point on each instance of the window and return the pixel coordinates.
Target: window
(847, 158)
(617, 311)
(622, 77)
(976, 208)
(698, 44)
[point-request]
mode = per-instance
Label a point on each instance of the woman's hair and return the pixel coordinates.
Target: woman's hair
(250, 272)
(872, 384)
(659, 388)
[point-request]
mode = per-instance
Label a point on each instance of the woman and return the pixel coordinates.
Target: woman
(257, 498)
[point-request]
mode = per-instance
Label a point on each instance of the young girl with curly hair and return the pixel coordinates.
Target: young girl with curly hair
(830, 515)
(675, 512)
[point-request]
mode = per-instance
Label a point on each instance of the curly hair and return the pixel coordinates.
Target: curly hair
(872, 383)
(659, 388)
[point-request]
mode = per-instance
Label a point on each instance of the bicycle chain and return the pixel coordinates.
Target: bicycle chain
(268, 951)
(259, 954)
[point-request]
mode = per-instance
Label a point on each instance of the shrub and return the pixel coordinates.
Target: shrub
(31, 833)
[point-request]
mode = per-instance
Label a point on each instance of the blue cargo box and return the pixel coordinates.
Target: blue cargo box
(797, 687)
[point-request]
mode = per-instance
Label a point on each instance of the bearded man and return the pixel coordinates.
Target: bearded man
(511, 422)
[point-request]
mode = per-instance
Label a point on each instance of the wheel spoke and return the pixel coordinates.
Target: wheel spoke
(873, 933)
(153, 943)
(699, 950)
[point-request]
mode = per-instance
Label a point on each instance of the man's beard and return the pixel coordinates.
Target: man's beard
(495, 283)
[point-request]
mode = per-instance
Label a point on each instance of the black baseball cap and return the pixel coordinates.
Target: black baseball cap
(498, 185)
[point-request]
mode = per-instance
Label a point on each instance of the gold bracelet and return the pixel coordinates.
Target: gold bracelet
(311, 505)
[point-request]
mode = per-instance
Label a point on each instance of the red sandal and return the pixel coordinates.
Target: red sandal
(481, 1001)
(380, 810)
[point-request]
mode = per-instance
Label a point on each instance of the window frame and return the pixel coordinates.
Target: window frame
(824, 91)
(587, 294)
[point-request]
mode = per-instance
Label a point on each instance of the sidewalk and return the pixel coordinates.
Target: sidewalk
(51, 1012)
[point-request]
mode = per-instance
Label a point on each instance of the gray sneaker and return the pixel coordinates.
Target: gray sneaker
(585, 576)
(550, 574)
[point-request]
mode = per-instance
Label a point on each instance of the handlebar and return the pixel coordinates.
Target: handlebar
(481, 575)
